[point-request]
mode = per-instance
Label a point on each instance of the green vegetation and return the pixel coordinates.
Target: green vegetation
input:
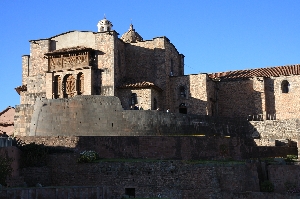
(33, 155)
(291, 187)
(88, 156)
(5, 169)
(267, 186)
(291, 158)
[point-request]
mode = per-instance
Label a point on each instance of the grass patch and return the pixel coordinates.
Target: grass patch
(129, 160)
(221, 162)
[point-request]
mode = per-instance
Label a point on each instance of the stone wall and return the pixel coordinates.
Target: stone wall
(80, 192)
(144, 97)
(22, 119)
(286, 104)
(281, 174)
(164, 147)
(169, 179)
(238, 99)
(105, 43)
(195, 99)
(277, 132)
(271, 131)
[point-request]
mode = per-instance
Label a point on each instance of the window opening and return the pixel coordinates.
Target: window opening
(285, 86)
(182, 91)
(130, 192)
(134, 99)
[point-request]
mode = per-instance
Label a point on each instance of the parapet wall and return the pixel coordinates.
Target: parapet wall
(104, 116)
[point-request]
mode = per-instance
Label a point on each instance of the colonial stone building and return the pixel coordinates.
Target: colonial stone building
(100, 63)
(259, 94)
(148, 75)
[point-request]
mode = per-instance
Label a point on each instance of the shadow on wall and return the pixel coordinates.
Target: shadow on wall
(270, 99)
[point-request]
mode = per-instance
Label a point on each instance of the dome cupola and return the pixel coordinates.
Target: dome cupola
(131, 36)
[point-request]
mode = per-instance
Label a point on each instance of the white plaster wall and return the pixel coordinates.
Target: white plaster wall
(72, 39)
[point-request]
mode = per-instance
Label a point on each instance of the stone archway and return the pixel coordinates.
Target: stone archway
(69, 86)
(80, 83)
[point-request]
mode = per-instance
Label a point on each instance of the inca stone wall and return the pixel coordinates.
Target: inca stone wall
(79, 192)
(103, 115)
(168, 179)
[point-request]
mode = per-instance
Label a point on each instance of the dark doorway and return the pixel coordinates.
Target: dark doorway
(130, 192)
(182, 108)
(154, 104)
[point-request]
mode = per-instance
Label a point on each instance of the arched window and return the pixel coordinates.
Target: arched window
(80, 84)
(285, 86)
(69, 86)
(182, 91)
(57, 86)
(133, 99)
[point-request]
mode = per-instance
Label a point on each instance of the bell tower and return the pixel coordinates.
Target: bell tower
(104, 25)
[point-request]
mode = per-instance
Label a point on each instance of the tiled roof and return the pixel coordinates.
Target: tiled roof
(21, 88)
(71, 49)
(7, 121)
(259, 72)
(143, 84)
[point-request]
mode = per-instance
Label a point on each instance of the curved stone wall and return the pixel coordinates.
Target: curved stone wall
(104, 116)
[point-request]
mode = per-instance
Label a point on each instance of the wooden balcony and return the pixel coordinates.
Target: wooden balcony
(70, 58)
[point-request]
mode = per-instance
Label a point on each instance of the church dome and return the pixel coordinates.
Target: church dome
(104, 25)
(131, 36)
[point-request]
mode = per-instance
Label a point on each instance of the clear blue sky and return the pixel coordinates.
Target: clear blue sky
(214, 35)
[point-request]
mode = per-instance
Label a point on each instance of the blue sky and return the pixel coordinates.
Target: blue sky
(214, 35)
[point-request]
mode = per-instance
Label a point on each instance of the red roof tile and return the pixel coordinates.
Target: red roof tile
(259, 72)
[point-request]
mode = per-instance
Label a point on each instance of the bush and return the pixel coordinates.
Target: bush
(267, 186)
(291, 158)
(33, 155)
(88, 156)
(291, 187)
